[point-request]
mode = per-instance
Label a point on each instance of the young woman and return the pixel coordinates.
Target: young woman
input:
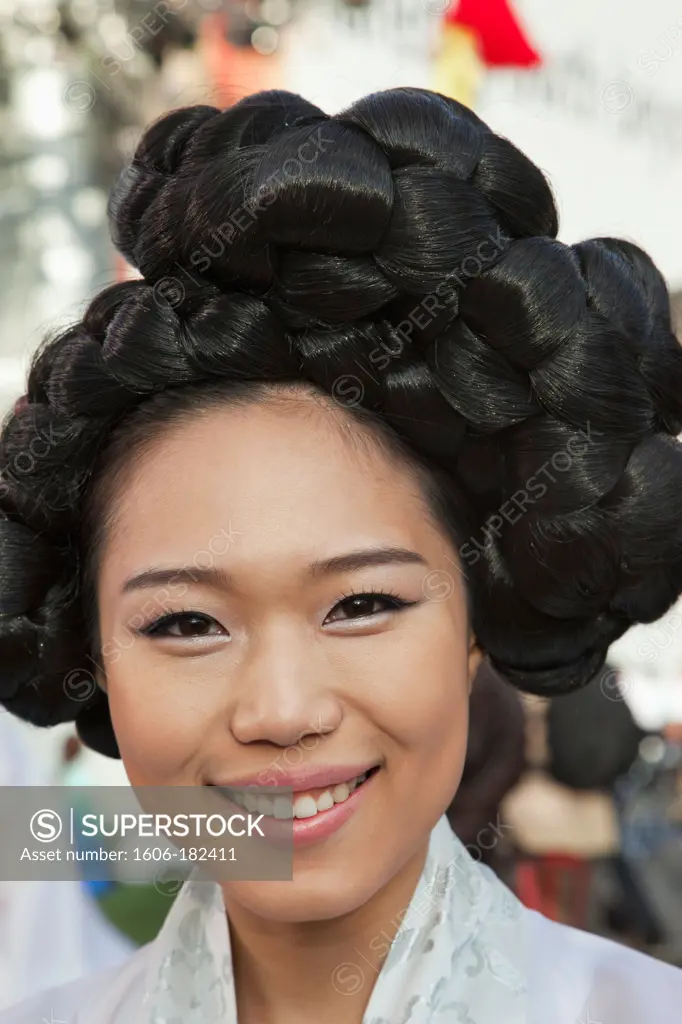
(362, 421)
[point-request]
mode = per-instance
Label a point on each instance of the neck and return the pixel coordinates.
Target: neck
(317, 970)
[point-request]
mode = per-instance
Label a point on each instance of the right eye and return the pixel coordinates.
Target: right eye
(182, 624)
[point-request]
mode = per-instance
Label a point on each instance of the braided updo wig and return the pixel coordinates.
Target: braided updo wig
(402, 259)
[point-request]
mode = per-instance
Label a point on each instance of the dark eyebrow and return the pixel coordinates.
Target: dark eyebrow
(361, 559)
(220, 579)
(185, 574)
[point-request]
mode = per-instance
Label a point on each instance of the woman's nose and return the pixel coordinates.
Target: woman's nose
(286, 692)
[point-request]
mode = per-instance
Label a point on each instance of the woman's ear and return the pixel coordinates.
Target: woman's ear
(475, 659)
(101, 678)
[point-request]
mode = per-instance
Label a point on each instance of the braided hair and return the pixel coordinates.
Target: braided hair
(401, 253)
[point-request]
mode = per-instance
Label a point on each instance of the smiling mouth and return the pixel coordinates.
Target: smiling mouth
(306, 804)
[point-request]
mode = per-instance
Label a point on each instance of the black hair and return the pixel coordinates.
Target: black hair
(404, 255)
(592, 736)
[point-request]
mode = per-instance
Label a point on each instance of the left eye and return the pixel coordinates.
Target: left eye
(181, 624)
(362, 606)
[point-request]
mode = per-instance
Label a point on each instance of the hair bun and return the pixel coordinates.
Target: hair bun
(330, 218)
(627, 288)
(148, 204)
(403, 258)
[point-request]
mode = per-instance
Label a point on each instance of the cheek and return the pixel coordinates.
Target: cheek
(420, 689)
(421, 707)
(434, 729)
(435, 722)
(159, 727)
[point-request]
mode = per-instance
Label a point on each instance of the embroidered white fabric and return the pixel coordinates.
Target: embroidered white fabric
(467, 953)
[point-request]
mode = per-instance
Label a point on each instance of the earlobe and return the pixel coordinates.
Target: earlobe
(475, 659)
(101, 679)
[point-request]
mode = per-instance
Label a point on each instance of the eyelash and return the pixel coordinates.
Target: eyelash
(396, 602)
(155, 627)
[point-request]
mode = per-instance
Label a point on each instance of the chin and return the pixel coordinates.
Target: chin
(310, 897)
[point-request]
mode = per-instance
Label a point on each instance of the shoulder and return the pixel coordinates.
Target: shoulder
(601, 980)
(106, 997)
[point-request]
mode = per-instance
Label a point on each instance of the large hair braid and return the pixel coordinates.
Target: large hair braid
(403, 244)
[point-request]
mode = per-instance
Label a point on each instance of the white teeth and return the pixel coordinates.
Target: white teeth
(282, 807)
(325, 801)
(236, 797)
(304, 807)
(265, 805)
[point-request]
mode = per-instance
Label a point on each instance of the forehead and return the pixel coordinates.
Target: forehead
(288, 479)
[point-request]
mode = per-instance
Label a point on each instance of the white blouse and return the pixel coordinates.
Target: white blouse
(467, 952)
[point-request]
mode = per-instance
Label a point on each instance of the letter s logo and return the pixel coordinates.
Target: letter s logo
(46, 826)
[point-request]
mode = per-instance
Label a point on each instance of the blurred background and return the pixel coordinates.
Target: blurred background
(577, 803)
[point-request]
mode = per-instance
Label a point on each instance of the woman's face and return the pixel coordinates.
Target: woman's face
(277, 662)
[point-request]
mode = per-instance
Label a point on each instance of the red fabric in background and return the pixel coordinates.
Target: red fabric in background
(502, 41)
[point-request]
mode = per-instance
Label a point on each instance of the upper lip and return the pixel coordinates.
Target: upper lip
(301, 778)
